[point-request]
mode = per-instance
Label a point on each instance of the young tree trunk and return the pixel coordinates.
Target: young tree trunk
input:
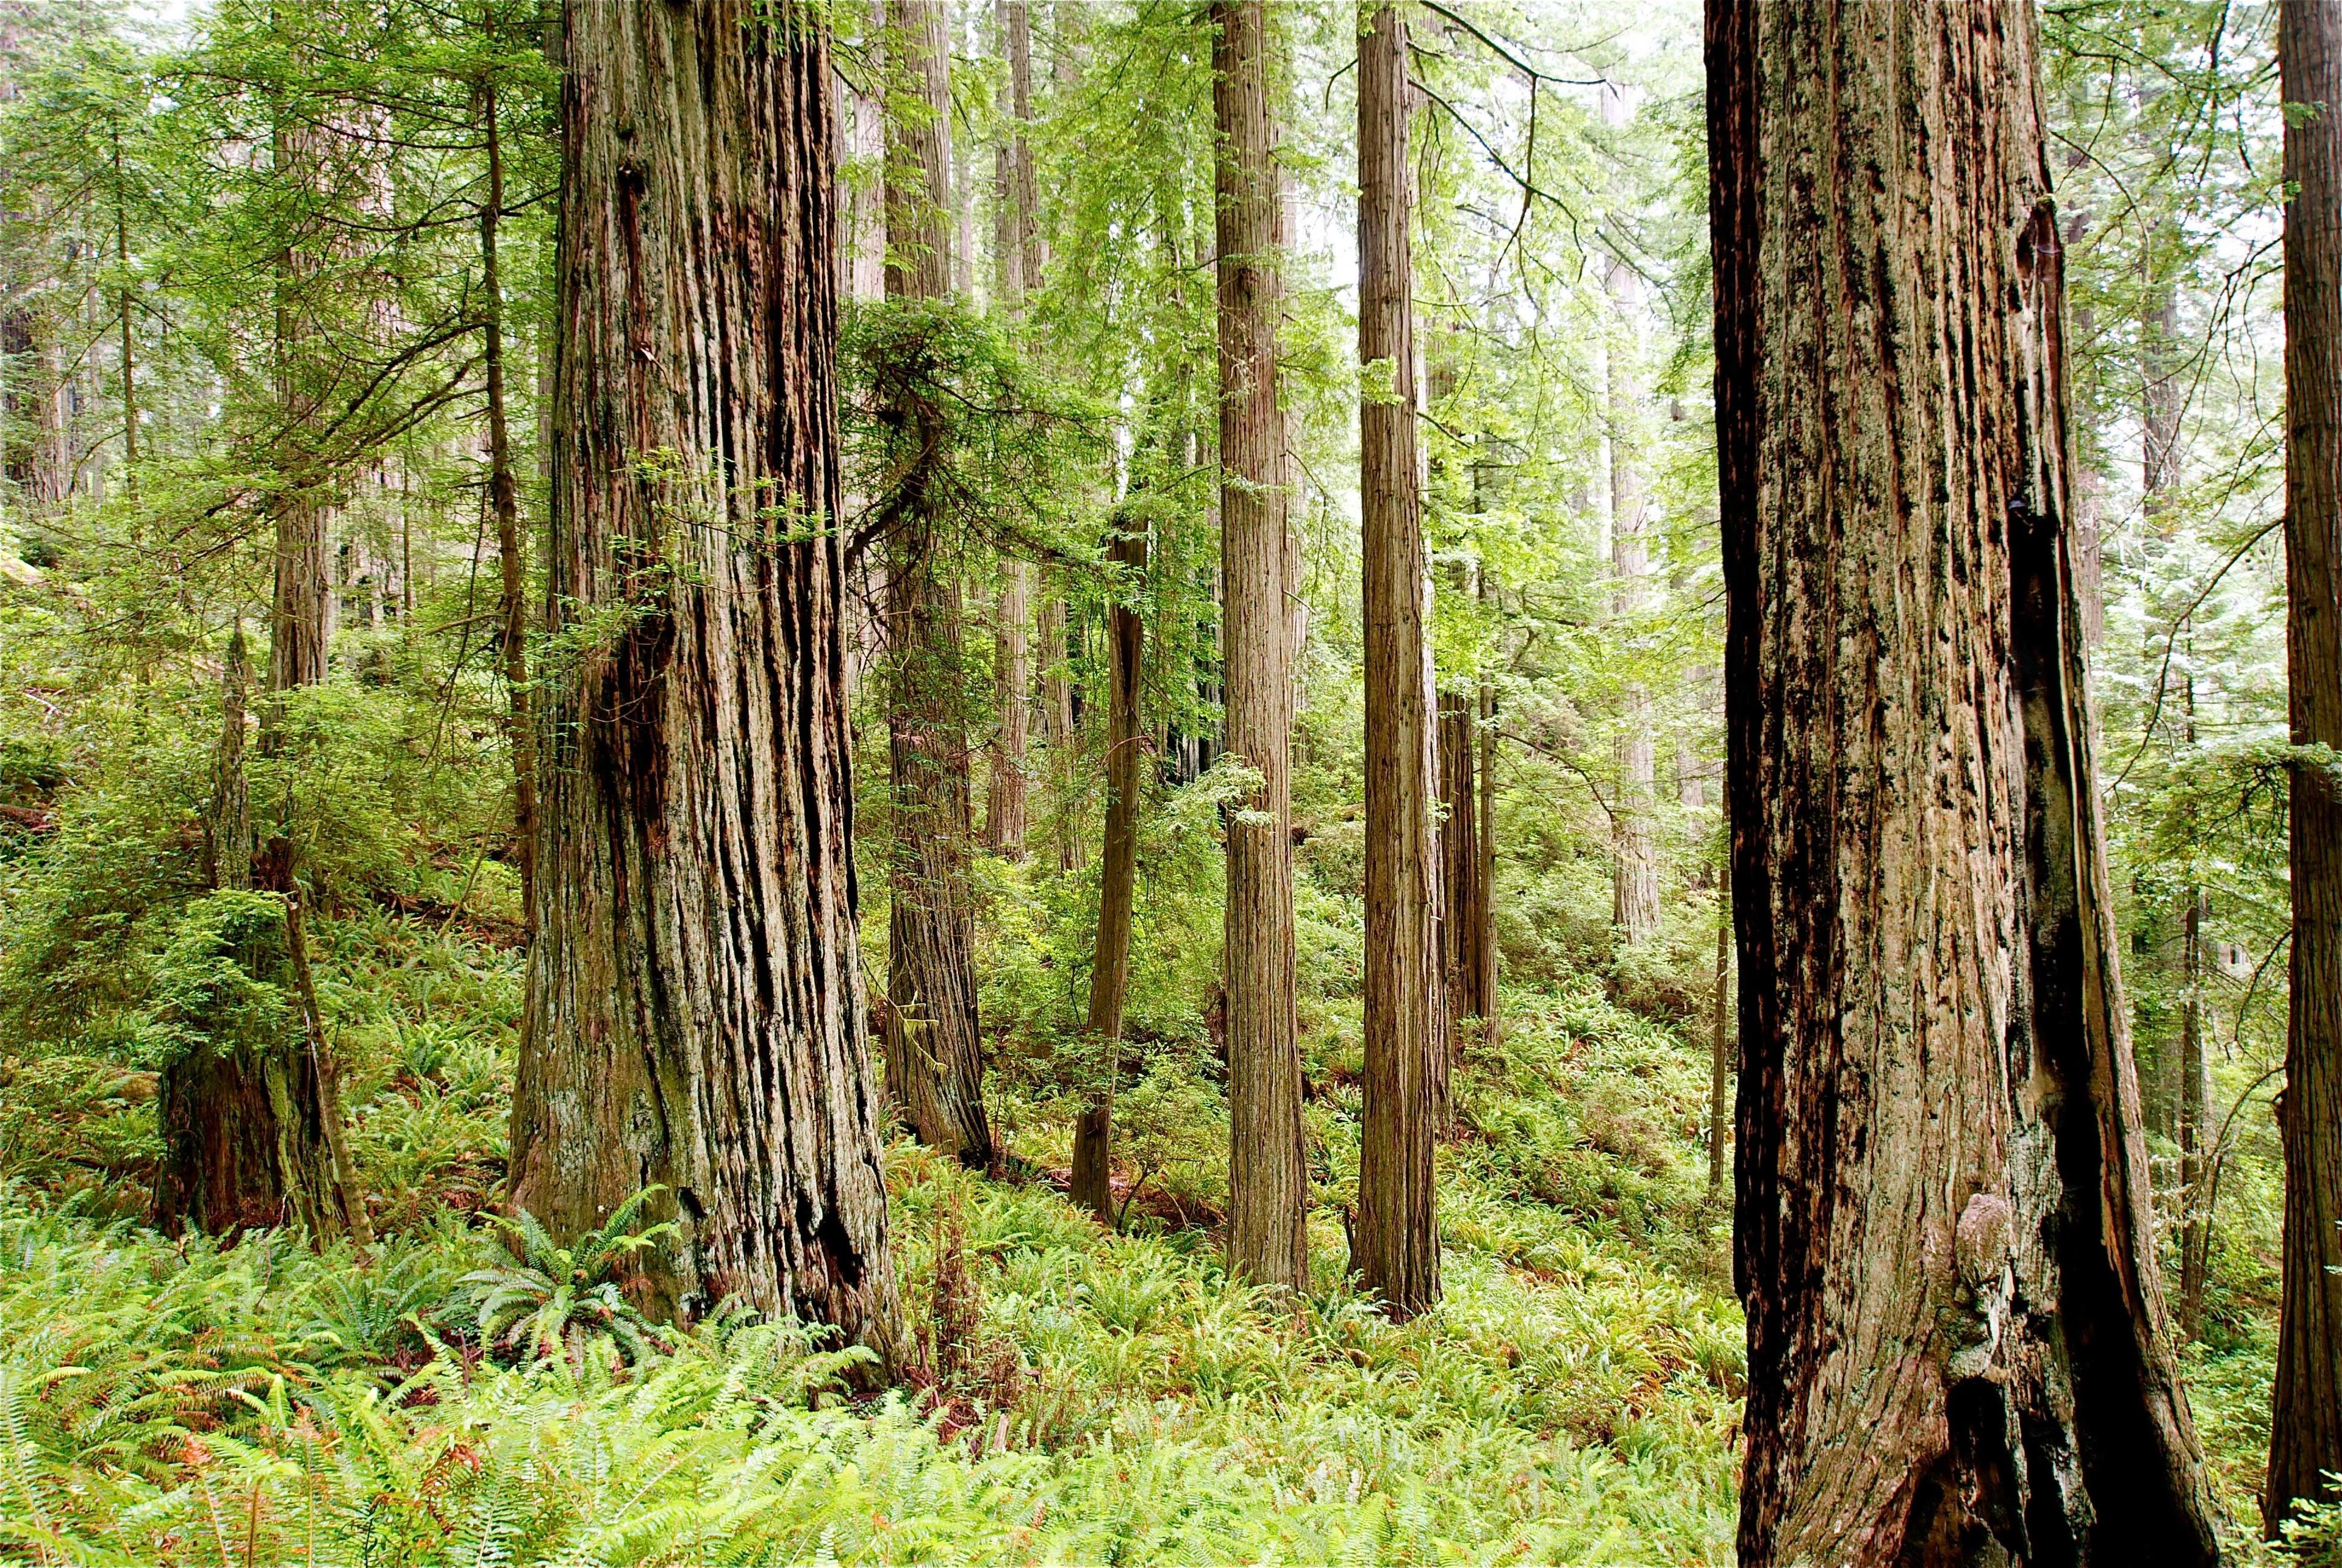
(1396, 1241)
(1958, 1347)
(503, 502)
(2306, 1438)
(1117, 871)
(934, 1063)
(1268, 1172)
(695, 1014)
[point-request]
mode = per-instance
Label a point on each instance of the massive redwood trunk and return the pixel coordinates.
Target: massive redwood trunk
(1958, 1344)
(1268, 1172)
(934, 1062)
(695, 1013)
(1396, 1241)
(2306, 1436)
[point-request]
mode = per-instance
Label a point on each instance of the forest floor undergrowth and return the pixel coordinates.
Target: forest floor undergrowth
(1088, 1396)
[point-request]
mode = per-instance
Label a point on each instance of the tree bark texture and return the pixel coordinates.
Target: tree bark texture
(503, 502)
(1959, 1352)
(1117, 868)
(1268, 1172)
(695, 1015)
(934, 1062)
(1396, 1240)
(2306, 1431)
(1720, 1045)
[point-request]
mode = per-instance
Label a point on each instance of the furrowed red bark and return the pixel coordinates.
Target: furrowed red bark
(1268, 1172)
(695, 1016)
(1958, 1345)
(1396, 1240)
(934, 1062)
(1117, 872)
(2305, 1434)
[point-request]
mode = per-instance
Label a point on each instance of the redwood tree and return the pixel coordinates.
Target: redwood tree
(1268, 1172)
(1396, 1240)
(1958, 1351)
(695, 1016)
(2305, 1436)
(934, 1063)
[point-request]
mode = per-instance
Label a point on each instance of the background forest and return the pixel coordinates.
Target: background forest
(262, 260)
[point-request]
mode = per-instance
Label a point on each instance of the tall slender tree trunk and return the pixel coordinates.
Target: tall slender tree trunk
(695, 1016)
(504, 500)
(1958, 1347)
(1633, 851)
(934, 1062)
(2305, 1436)
(1006, 807)
(867, 212)
(299, 622)
(2194, 1118)
(1117, 869)
(1268, 1172)
(1395, 1245)
(1484, 740)
(129, 351)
